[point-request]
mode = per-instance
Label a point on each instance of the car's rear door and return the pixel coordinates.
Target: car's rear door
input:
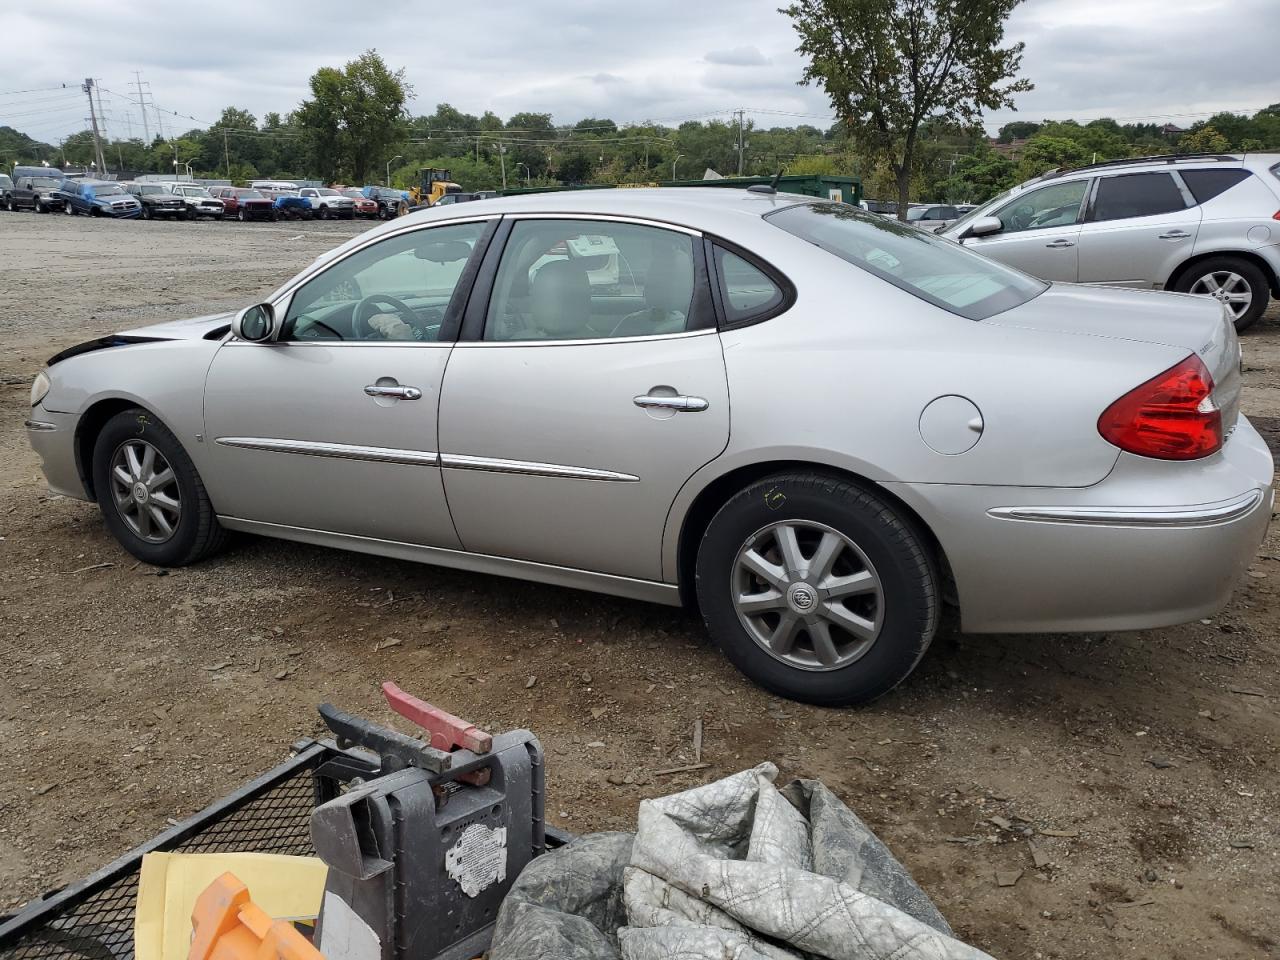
(588, 386)
(1138, 226)
(332, 426)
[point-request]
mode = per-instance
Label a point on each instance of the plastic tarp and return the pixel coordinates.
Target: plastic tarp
(734, 870)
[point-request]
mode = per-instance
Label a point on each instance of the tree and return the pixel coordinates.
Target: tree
(1205, 140)
(355, 117)
(890, 65)
(1017, 130)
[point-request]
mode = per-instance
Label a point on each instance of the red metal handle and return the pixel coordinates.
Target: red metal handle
(447, 731)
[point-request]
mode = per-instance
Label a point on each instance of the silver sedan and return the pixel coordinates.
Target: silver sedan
(816, 425)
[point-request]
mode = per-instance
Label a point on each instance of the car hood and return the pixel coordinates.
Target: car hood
(197, 328)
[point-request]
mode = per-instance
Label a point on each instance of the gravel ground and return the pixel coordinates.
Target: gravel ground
(1142, 767)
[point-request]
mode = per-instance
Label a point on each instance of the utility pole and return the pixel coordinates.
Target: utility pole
(226, 152)
(142, 104)
(87, 87)
(502, 159)
(741, 149)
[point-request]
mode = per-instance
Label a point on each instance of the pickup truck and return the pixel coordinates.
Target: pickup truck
(38, 193)
(326, 202)
(288, 203)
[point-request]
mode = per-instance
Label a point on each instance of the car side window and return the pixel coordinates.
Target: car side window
(589, 279)
(747, 293)
(397, 289)
(1207, 184)
(1056, 205)
(1136, 195)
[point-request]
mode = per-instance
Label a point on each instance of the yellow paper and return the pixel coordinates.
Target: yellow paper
(286, 888)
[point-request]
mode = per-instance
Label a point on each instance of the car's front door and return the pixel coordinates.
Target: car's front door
(1040, 231)
(586, 389)
(1138, 227)
(333, 425)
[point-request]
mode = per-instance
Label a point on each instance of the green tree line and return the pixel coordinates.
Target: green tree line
(357, 120)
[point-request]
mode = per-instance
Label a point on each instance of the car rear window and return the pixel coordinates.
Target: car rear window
(1207, 184)
(921, 263)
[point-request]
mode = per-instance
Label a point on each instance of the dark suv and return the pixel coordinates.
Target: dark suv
(157, 201)
(38, 193)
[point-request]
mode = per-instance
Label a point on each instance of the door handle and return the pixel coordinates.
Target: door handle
(398, 392)
(1174, 235)
(685, 404)
(1060, 244)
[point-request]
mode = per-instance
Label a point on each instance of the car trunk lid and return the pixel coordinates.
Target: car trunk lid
(1197, 324)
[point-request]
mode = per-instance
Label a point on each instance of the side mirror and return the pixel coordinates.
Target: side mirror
(255, 324)
(984, 226)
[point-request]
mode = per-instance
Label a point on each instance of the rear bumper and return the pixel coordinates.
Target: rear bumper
(53, 438)
(1154, 544)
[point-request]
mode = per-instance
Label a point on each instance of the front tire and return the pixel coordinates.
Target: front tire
(817, 589)
(150, 494)
(241, 215)
(1236, 282)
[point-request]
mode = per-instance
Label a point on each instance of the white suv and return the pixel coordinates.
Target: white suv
(1205, 224)
(326, 202)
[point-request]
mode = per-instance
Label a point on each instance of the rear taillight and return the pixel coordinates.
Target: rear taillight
(1170, 417)
(1276, 215)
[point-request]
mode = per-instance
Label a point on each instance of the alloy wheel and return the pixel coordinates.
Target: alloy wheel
(144, 489)
(808, 595)
(1226, 287)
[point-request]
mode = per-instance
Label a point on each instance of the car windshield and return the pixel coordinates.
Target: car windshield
(916, 213)
(149, 190)
(249, 195)
(44, 182)
(921, 263)
(195, 192)
(107, 190)
(326, 192)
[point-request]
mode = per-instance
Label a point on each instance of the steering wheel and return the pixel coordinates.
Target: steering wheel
(364, 312)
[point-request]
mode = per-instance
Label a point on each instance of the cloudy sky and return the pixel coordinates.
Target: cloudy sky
(662, 60)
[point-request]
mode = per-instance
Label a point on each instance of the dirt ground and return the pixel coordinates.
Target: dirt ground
(1131, 779)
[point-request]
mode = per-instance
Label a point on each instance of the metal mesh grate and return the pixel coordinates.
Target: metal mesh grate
(99, 925)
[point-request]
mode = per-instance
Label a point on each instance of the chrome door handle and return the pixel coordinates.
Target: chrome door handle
(686, 404)
(398, 392)
(1060, 244)
(1174, 235)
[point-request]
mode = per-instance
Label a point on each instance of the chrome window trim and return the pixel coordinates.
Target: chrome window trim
(232, 341)
(1199, 515)
(608, 218)
(491, 344)
(530, 468)
(340, 451)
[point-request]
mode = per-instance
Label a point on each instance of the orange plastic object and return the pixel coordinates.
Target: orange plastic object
(227, 925)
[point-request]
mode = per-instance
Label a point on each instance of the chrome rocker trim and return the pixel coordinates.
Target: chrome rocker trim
(648, 590)
(458, 461)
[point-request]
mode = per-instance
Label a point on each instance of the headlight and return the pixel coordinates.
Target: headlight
(40, 388)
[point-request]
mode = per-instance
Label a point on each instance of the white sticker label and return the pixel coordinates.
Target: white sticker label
(479, 858)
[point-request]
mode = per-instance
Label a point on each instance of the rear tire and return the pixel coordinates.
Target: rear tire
(1227, 277)
(838, 636)
(240, 215)
(194, 532)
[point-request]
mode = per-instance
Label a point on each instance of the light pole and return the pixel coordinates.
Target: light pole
(389, 163)
(673, 165)
(528, 177)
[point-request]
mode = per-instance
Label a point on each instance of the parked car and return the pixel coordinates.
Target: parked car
(243, 203)
(157, 201)
(452, 198)
(391, 202)
(98, 198)
(933, 216)
(1194, 224)
(199, 201)
(363, 206)
(6, 184)
(326, 202)
(287, 204)
(39, 193)
(809, 421)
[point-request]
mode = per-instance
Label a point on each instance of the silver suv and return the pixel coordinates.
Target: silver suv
(1206, 224)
